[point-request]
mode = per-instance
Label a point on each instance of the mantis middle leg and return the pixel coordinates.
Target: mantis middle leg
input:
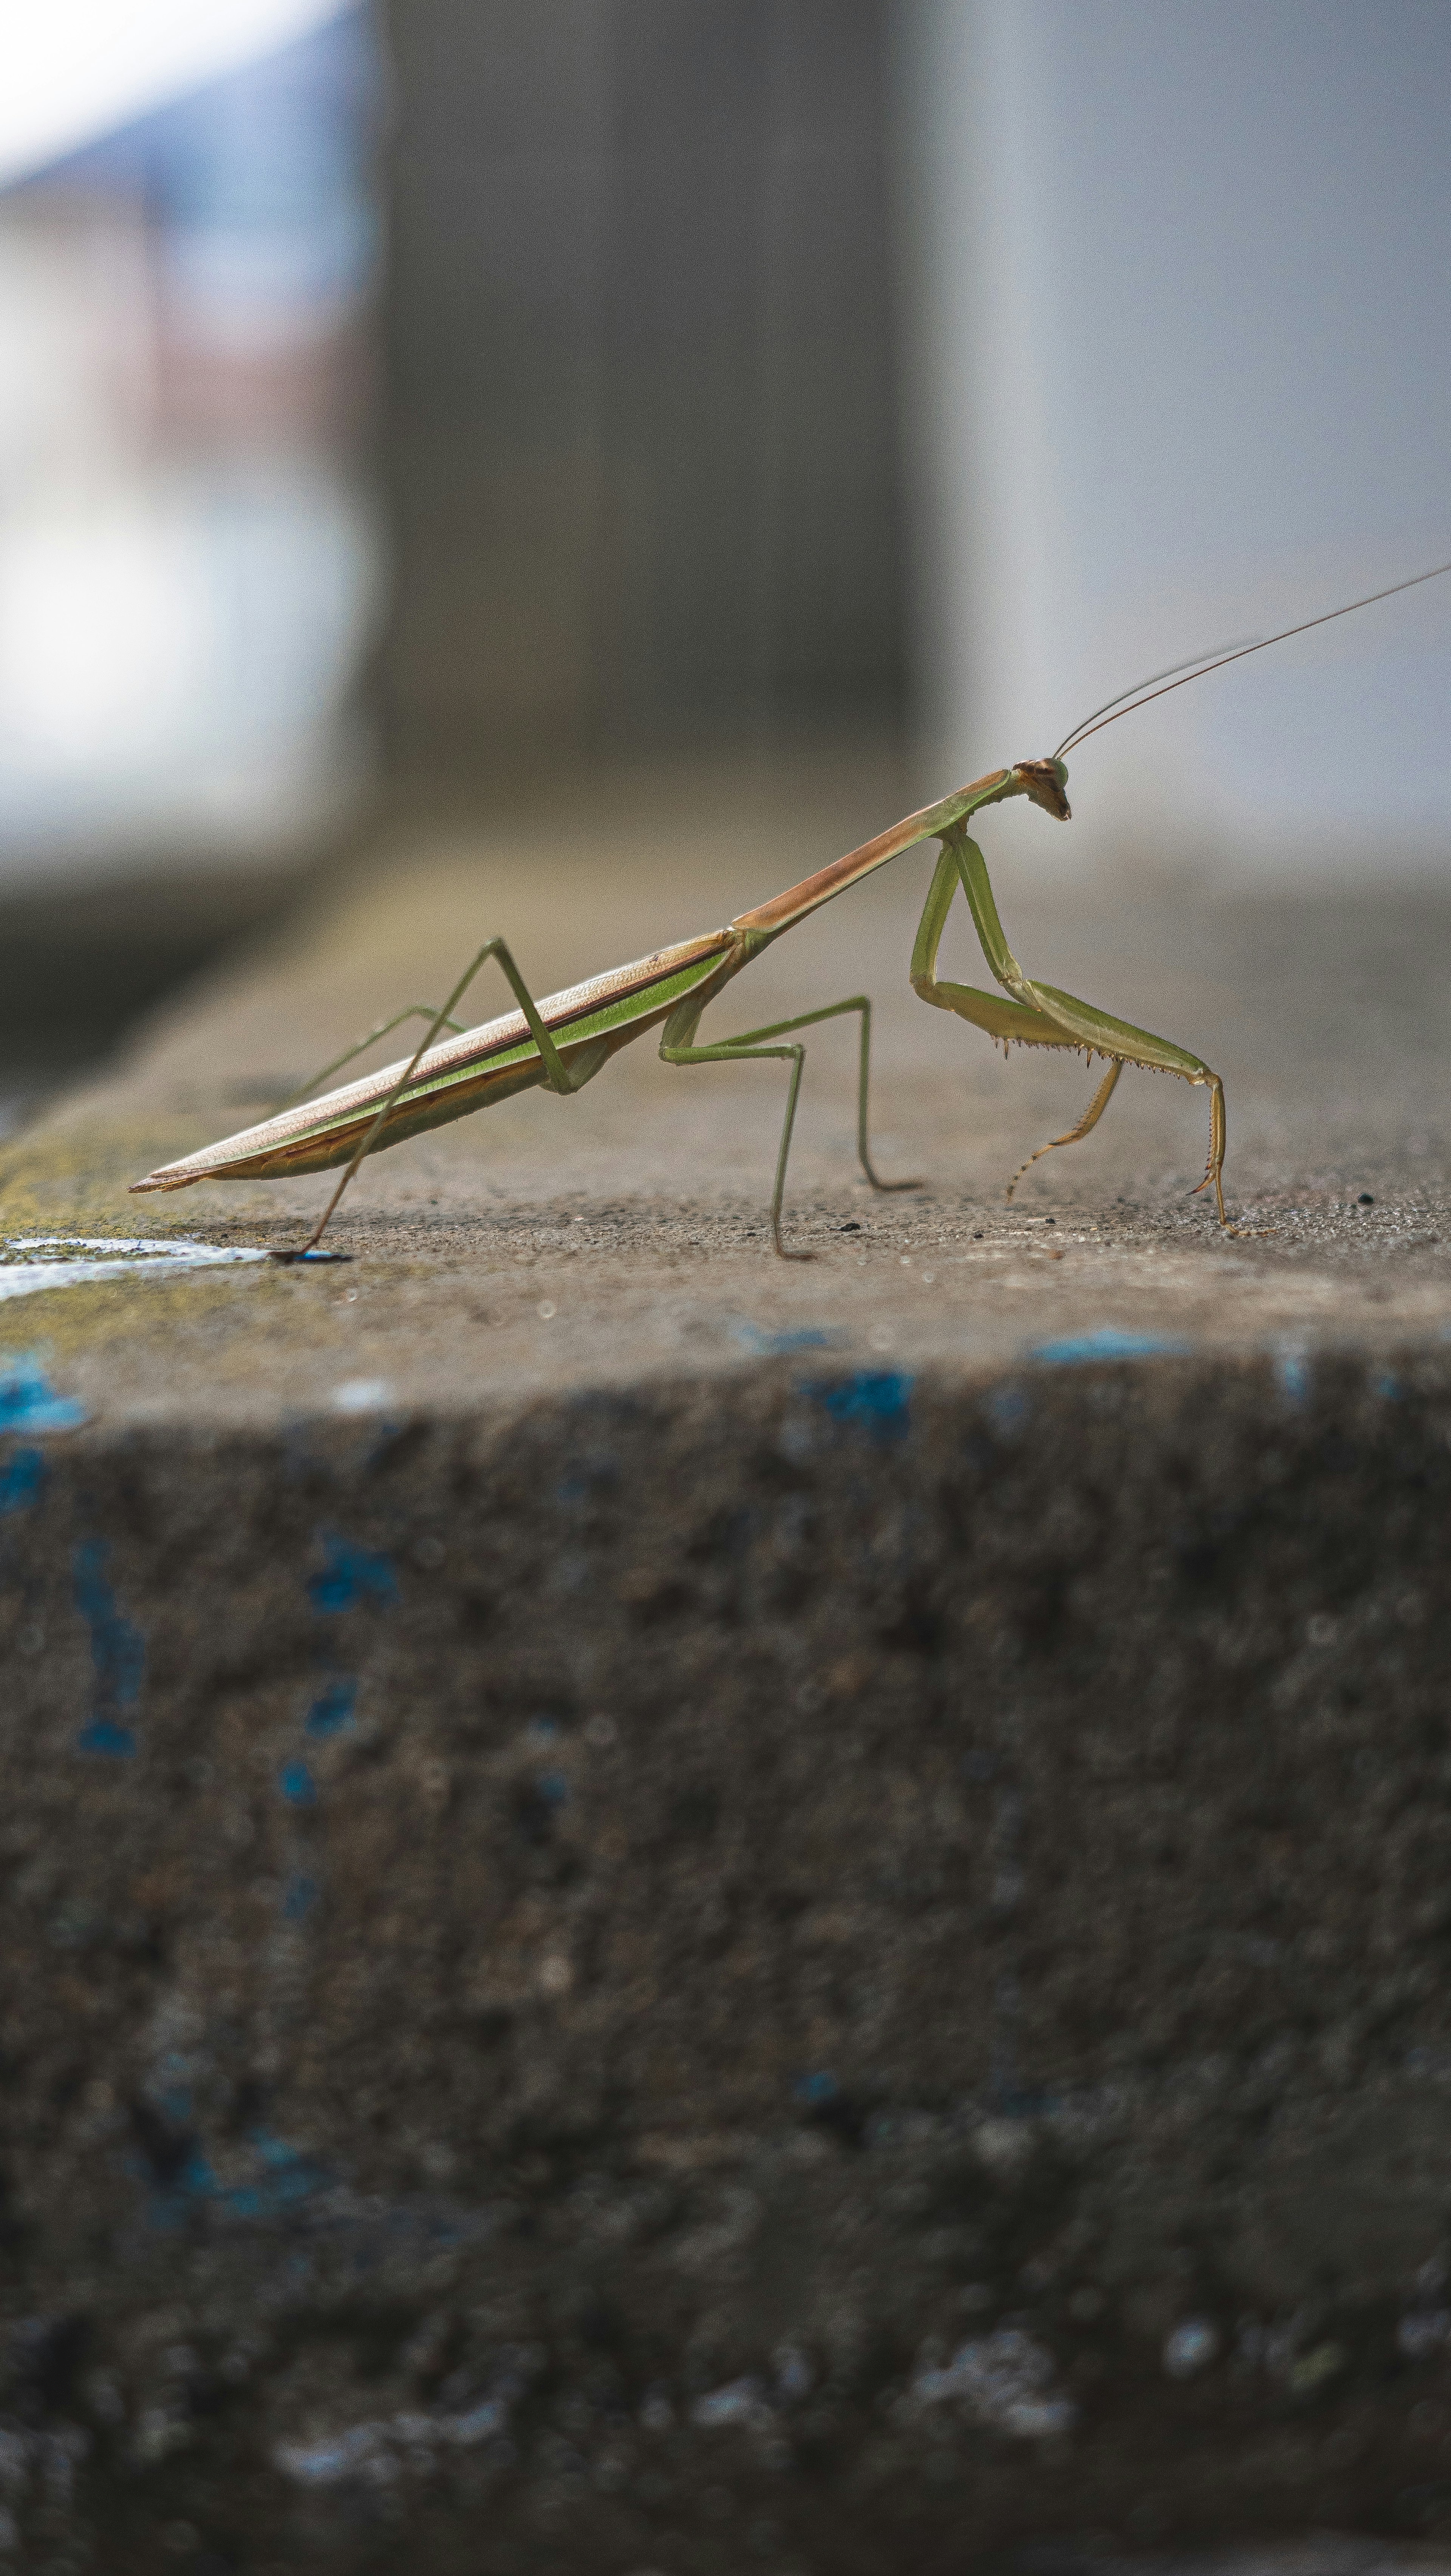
(677, 1047)
(1039, 1014)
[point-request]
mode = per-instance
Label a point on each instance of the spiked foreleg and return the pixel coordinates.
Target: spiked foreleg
(1075, 1135)
(1020, 1023)
(1071, 1021)
(1101, 1034)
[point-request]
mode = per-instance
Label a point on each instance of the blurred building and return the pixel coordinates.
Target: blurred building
(643, 450)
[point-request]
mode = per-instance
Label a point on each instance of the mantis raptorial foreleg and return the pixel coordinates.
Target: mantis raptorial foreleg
(677, 1047)
(414, 1011)
(1075, 1135)
(556, 1073)
(1039, 1014)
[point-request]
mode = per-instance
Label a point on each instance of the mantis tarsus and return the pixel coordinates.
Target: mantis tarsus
(561, 1043)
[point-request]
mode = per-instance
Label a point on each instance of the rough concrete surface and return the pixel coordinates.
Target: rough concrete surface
(668, 1911)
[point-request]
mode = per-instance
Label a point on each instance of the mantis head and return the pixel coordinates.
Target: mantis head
(1044, 781)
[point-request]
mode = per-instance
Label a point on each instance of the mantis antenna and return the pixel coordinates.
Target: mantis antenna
(1200, 665)
(1242, 643)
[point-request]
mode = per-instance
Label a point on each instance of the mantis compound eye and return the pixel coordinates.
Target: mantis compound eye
(1045, 781)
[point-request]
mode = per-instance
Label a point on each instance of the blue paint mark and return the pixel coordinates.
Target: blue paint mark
(103, 1735)
(297, 1784)
(1293, 1371)
(292, 2176)
(288, 2176)
(21, 1479)
(764, 1345)
(1007, 1410)
(28, 1401)
(874, 1400)
(118, 1652)
(299, 1897)
(351, 1574)
(553, 1788)
(333, 1708)
(813, 2090)
(1108, 1343)
(1388, 1386)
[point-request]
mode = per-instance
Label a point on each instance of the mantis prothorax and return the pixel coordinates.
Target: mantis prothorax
(561, 1043)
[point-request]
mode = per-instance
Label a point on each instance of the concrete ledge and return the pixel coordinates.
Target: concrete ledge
(660, 1912)
(681, 1958)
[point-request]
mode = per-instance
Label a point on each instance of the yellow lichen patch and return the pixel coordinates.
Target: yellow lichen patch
(96, 1316)
(62, 1176)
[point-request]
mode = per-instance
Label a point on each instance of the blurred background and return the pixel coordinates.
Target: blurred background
(401, 407)
(1177, 351)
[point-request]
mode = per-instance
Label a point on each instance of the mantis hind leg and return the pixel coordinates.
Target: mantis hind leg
(414, 1011)
(1089, 1120)
(677, 1047)
(556, 1073)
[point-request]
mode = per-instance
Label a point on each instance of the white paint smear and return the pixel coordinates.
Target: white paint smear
(70, 1260)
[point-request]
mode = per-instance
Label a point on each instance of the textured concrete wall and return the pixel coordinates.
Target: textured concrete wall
(871, 1957)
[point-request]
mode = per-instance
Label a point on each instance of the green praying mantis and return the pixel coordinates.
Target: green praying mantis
(561, 1043)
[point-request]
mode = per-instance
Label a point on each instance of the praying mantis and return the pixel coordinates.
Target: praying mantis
(561, 1043)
